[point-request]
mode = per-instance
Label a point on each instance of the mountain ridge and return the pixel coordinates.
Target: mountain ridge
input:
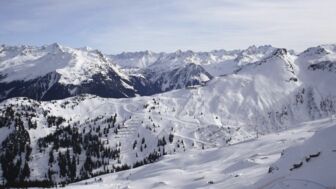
(75, 71)
(191, 107)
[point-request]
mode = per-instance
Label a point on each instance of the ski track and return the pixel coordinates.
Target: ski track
(236, 166)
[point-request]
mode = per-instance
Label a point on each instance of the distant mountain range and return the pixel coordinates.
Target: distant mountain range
(55, 72)
(70, 114)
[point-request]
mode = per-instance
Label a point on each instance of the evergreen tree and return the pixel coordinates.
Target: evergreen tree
(73, 168)
(134, 144)
(143, 140)
(51, 157)
(171, 138)
(25, 173)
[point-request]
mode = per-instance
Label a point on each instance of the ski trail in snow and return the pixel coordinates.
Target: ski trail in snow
(197, 140)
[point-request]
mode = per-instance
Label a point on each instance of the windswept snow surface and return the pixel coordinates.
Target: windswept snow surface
(242, 165)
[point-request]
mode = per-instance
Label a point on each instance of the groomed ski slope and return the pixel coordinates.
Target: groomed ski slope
(242, 165)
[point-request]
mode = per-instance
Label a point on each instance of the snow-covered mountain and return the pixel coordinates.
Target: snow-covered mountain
(217, 62)
(138, 60)
(56, 72)
(232, 100)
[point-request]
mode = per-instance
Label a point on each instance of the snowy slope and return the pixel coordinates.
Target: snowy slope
(317, 67)
(135, 59)
(55, 72)
(216, 62)
(275, 93)
(240, 166)
(180, 77)
(308, 165)
(228, 110)
(74, 65)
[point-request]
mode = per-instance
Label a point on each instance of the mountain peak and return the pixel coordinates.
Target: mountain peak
(280, 52)
(330, 48)
(319, 50)
(258, 49)
(178, 51)
(55, 45)
(53, 48)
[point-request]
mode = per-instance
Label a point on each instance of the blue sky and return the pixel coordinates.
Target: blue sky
(162, 25)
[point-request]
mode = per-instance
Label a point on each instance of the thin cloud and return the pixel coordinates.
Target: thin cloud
(130, 25)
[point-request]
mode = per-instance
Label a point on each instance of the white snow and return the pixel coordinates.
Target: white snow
(261, 103)
(239, 166)
(74, 65)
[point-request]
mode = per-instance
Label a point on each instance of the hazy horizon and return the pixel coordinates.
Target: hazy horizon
(165, 26)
